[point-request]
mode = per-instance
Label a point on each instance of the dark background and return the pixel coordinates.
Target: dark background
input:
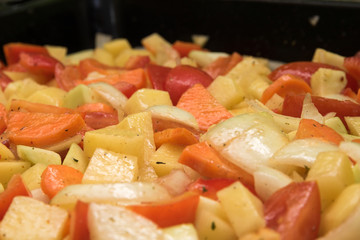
(275, 29)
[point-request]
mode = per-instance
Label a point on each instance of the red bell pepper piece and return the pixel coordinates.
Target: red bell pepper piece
(182, 77)
(79, 229)
(157, 75)
(352, 65)
(12, 51)
(179, 210)
(293, 106)
(209, 187)
(15, 187)
(38, 63)
(294, 211)
(126, 88)
(67, 77)
(223, 65)
(137, 61)
(184, 48)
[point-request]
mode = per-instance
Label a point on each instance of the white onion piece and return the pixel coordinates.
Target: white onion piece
(268, 180)
(309, 111)
(247, 140)
(38, 194)
(175, 182)
(302, 152)
(113, 96)
(352, 149)
(348, 230)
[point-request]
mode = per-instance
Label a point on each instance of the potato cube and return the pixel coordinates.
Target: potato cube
(76, 158)
(354, 125)
(222, 85)
(32, 176)
(28, 218)
(243, 209)
(57, 52)
(104, 56)
(343, 206)
(113, 222)
(9, 168)
(211, 221)
(38, 155)
(328, 81)
(332, 171)
(80, 95)
(327, 57)
(116, 46)
(165, 159)
(145, 98)
(110, 167)
(124, 141)
(76, 57)
(22, 89)
(5, 153)
(123, 57)
(181, 232)
(50, 95)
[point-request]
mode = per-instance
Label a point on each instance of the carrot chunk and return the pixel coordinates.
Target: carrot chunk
(41, 129)
(209, 163)
(310, 128)
(205, 108)
(56, 177)
(176, 136)
(286, 85)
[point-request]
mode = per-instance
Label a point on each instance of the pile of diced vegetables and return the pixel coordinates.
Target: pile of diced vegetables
(174, 141)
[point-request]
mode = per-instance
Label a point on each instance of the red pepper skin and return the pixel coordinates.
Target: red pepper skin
(184, 48)
(293, 106)
(15, 187)
(209, 187)
(38, 63)
(67, 77)
(12, 51)
(157, 75)
(352, 65)
(126, 88)
(182, 77)
(305, 70)
(79, 229)
(295, 211)
(137, 61)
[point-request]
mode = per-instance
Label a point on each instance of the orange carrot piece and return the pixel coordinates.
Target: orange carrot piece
(286, 85)
(179, 135)
(205, 108)
(209, 163)
(95, 107)
(309, 128)
(41, 129)
(18, 105)
(136, 77)
(56, 177)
